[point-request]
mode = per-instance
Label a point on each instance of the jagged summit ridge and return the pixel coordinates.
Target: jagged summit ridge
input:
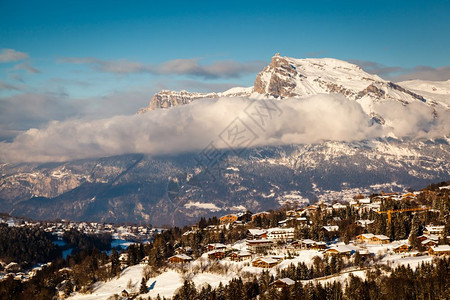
(168, 99)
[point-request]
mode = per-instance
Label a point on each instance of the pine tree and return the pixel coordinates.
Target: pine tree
(115, 263)
(143, 289)
(187, 291)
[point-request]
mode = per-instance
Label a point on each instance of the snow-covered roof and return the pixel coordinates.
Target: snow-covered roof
(286, 280)
(278, 229)
(427, 241)
(400, 245)
(365, 222)
(339, 206)
(330, 228)
(259, 241)
(254, 231)
(267, 260)
(382, 237)
(441, 248)
(217, 245)
(182, 256)
(431, 228)
(308, 241)
(344, 248)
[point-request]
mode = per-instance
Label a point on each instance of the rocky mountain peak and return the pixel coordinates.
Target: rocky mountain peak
(287, 77)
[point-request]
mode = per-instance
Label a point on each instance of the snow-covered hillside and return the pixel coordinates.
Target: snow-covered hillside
(438, 91)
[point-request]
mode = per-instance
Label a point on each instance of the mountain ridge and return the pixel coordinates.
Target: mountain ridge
(176, 190)
(287, 77)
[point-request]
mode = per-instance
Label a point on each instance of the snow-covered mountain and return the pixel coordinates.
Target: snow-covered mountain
(287, 77)
(176, 189)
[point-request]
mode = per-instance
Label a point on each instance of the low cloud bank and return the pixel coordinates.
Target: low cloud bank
(226, 122)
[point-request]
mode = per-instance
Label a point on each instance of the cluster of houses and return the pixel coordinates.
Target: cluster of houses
(126, 232)
(262, 241)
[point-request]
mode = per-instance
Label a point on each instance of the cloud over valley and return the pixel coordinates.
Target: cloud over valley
(192, 127)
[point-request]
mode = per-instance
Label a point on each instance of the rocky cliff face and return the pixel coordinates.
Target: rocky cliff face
(168, 99)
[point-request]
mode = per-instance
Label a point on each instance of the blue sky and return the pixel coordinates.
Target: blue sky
(102, 58)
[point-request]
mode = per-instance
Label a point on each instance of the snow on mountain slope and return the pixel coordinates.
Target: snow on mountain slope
(287, 77)
(438, 91)
(290, 77)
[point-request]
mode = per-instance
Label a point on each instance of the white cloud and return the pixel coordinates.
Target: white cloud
(415, 120)
(9, 55)
(192, 127)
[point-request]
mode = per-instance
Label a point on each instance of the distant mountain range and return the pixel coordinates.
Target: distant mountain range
(178, 189)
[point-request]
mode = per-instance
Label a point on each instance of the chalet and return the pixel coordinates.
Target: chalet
(283, 283)
(231, 218)
(439, 250)
(278, 234)
(257, 234)
(311, 209)
(239, 256)
(320, 246)
(428, 237)
(330, 229)
(215, 246)
(344, 250)
(264, 262)
(180, 259)
(216, 254)
(292, 213)
(379, 239)
(257, 246)
(364, 223)
(370, 238)
(308, 244)
(429, 243)
(401, 248)
(436, 230)
(408, 196)
(183, 250)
